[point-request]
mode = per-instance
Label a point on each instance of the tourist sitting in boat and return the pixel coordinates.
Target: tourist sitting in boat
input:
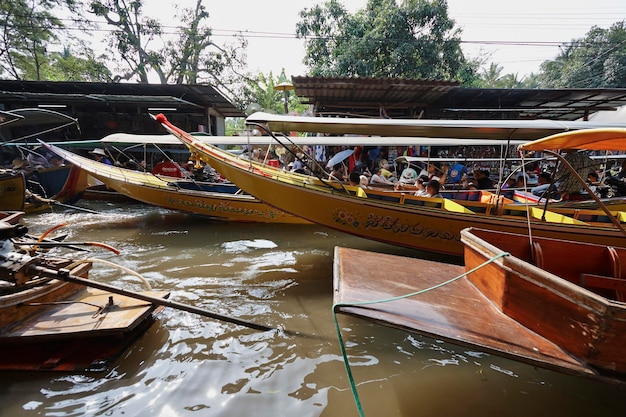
(168, 168)
(36, 159)
(509, 183)
(593, 181)
(385, 172)
(483, 182)
(408, 176)
(522, 180)
(56, 161)
(378, 178)
(339, 172)
(438, 172)
(100, 156)
(433, 188)
(354, 179)
(298, 166)
(545, 187)
(420, 183)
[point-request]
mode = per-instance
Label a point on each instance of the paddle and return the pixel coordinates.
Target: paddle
(64, 275)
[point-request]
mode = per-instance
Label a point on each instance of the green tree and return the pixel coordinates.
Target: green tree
(492, 77)
(85, 67)
(132, 37)
(29, 32)
(262, 92)
(27, 28)
(189, 57)
(410, 39)
(596, 61)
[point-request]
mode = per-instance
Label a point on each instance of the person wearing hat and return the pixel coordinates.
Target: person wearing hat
(101, 156)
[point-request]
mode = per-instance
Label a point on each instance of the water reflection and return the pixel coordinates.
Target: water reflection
(279, 276)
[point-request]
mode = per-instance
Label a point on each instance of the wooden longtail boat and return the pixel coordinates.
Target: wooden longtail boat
(552, 303)
(42, 189)
(39, 189)
(12, 190)
(431, 224)
(50, 324)
(223, 203)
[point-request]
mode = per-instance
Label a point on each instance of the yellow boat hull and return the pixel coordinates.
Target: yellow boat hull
(426, 224)
(12, 191)
(154, 190)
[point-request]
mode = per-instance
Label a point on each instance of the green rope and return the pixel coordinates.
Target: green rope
(342, 346)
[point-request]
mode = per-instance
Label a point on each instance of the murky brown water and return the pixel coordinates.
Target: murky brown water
(186, 365)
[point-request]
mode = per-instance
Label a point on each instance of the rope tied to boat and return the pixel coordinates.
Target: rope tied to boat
(342, 346)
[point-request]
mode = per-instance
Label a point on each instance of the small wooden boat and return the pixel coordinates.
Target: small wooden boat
(552, 303)
(12, 190)
(430, 224)
(54, 186)
(219, 201)
(50, 324)
(43, 188)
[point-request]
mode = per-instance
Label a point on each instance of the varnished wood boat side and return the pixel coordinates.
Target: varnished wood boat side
(49, 324)
(11, 310)
(456, 312)
(585, 323)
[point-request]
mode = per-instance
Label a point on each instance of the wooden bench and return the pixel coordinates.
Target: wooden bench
(615, 282)
(610, 278)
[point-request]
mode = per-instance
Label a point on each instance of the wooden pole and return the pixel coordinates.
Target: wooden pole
(64, 275)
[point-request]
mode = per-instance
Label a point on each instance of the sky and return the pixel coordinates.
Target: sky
(517, 35)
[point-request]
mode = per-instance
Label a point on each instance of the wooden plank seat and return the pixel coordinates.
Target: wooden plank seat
(608, 283)
(607, 279)
(615, 282)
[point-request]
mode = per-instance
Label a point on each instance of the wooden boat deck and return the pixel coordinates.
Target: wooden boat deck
(82, 332)
(456, 312)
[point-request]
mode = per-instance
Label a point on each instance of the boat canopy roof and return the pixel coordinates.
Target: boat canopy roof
(8, 117)
(38, 121)
(127, 138)
(524, 130)
(609, 139)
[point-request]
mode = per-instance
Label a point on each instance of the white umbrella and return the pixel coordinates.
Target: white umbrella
(338, 157)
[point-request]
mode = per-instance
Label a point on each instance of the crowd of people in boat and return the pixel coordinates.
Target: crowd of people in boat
(372, 167)
(546, 179)
(31, 160)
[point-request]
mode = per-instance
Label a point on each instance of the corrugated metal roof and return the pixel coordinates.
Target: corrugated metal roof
(178, 95)
(407, 98)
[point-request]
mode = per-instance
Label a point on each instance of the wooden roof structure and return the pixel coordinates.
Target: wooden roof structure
(428, 99)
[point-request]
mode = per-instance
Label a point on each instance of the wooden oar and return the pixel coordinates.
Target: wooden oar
(64, 275)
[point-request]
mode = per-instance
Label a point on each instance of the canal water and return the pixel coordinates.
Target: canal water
(280, 276)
